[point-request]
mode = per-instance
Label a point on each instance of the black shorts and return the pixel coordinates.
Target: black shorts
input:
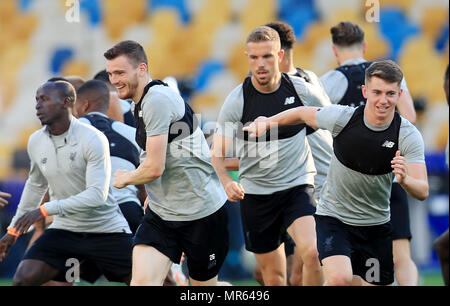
(289, 245)
(368, 247)
(399, 213)
(133, 213)
(109, 254)
(265, 218)
(204, 241)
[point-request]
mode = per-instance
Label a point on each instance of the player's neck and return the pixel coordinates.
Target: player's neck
(344, 56)
(60, 126)
(140, 89)
(271, 86)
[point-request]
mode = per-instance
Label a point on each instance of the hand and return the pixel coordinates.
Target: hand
(23, 223)
(6, 243)
(119, 180)
(235, 191)
(399, 165)
(3, 201)
(257, 127)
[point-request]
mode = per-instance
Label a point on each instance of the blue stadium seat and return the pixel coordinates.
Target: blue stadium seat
(59, 58)
(442, 39)
(177, 4)
(205, 72)
(298, 13)
(396, 28)
(24, 5)
(93, 9)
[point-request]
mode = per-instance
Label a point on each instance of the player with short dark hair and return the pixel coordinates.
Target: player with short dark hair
(186, 212)
(372, 145)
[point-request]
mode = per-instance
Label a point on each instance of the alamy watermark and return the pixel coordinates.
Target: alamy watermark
(73, 273)
(373, 13)
(73, 11)
(373, 273)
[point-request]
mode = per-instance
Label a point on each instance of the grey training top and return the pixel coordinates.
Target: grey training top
(268, 167)
(350, 196)
(189, 188)
(76, 167)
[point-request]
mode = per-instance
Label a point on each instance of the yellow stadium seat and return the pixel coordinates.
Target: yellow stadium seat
(433, 19)
(377, 47)
(238, 62)
(423, 69)
(404, 5)
(257, 13)
(117, 19)
(76, 67)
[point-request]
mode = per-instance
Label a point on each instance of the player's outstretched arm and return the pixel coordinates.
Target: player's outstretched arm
(293, 116)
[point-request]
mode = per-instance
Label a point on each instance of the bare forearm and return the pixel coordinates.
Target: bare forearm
(218, 163)
(417, 188)
(142, 175)
(298, 115)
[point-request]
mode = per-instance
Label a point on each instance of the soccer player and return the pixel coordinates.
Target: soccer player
(72, 159)
(319, 140)
(277, 174)
(186, 212)
(91, 107)
(343, 85)
(372, 145)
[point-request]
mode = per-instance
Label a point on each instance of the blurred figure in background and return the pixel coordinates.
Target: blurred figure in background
(441, 244)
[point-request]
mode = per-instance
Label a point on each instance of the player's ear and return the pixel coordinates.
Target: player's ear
(364, 91)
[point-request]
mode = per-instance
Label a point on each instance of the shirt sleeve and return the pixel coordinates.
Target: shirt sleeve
(310, 94)
(231, 113)
(159, 111)
(34, 189)
(335, 84)
(334, 118)
(98, 175)
(411, 143)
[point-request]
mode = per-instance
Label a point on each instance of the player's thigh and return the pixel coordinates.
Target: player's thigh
(150, 266)
(33, 272)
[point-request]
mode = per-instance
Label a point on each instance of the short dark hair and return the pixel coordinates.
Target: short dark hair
(346, 34)
(102, 76)
(54, 79)
(386, 70)
(96, 91)
(131, 49)
(65, 90)
(263, 33)
(286, 33)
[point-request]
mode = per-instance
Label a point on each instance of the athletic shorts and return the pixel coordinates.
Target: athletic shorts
(109, 254)
(204, 241)
(289, 245)
(265, 218)
(133, 213)
(368, 247)
(399, 213)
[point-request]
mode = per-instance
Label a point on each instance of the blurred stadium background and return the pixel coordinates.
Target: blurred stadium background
(201, 44)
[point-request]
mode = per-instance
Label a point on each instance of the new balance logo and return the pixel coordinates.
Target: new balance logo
(388, 144)
(289, 100)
